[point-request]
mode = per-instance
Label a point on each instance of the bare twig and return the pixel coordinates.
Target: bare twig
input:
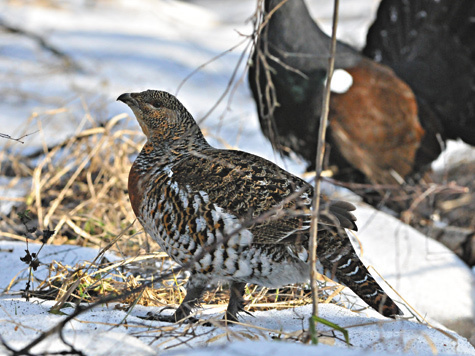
(319, 164)
(19, 139)
(197, 69)
(230, 82)
(67, 60)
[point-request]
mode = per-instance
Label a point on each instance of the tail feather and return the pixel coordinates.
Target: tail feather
(342, 264)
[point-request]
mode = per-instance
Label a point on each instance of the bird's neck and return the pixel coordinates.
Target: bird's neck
(292, 24)
(300, 41)
(165, 149)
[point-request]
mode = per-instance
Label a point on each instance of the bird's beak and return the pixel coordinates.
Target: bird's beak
(125, 98)
(128, 99)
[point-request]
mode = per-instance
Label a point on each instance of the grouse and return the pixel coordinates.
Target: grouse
(231, 216)
(387, 127)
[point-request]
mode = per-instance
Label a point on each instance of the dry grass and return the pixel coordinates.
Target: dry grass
(79, 188)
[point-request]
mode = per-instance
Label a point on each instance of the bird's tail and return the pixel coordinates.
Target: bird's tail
(341, 263)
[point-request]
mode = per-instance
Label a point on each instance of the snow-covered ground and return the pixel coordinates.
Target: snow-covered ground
(108, 328)
(122, 46)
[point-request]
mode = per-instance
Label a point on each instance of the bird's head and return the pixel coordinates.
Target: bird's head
(162, 117)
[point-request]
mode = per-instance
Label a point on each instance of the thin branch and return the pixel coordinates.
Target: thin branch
(196, 70)
(19, 139)
(319, 164)
(67, 60)
(230, 82)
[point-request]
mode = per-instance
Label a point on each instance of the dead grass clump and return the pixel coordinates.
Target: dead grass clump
(79, 188)
(87, 282)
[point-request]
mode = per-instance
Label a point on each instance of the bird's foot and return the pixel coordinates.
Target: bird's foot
(170, 318)
(229, 318)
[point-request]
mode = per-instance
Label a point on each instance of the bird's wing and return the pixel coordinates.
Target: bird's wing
(274, 203)
(383, 141)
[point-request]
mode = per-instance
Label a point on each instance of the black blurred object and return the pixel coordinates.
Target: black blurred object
(430, 44)
(390, 124)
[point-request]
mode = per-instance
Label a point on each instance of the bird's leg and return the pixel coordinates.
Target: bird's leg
(192, 299)
(236, 301)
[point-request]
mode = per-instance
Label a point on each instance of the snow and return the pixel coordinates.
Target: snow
(14, 269)
(123, 46)
(9, 191)
(109, 327)
(424, 272)
(260, 348)
(457, 152)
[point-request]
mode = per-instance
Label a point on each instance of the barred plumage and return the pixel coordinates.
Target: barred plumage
(206, 206)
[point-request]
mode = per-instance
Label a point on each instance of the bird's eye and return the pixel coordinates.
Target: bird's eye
(153, 105)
